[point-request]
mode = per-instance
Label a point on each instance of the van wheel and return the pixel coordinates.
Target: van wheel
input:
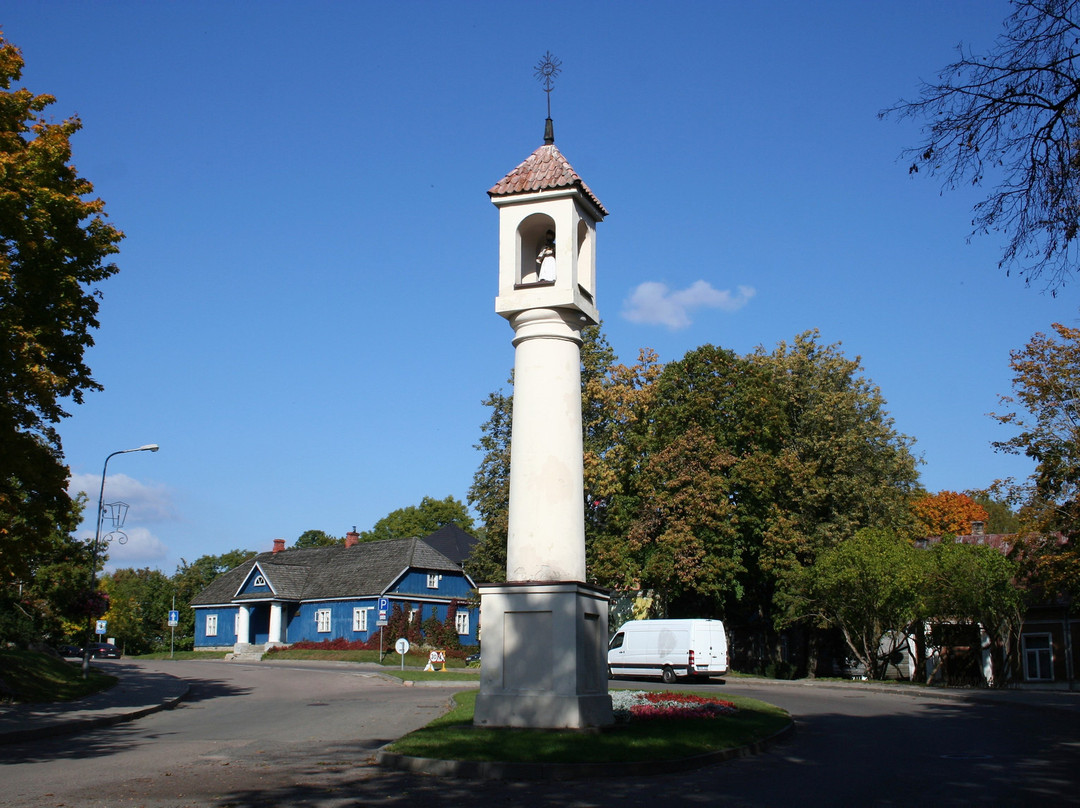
(668, 675)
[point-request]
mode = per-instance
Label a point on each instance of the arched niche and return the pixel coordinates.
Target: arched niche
(532, 234)
(586, 258)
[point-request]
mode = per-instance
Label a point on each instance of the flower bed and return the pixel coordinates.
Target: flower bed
(639, 705)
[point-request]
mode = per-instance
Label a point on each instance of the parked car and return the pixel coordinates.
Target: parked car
(69, 651)
(473, 659)
(104, 650)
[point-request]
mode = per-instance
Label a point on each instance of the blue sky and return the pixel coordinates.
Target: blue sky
(303, 318)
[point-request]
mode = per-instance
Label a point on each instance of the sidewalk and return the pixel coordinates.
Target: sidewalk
(137, 693)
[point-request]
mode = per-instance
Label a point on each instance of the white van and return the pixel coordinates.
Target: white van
(668, 649)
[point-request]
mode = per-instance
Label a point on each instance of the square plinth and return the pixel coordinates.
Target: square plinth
(545, 656)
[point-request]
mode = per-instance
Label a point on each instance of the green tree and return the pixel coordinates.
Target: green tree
(53, 245)
(316, 538)
(139, 604)
(49, 604)
(489, 493)
(417, 521)
(1000, 518)
(976, 583)
(867, 587)
(1012, 114)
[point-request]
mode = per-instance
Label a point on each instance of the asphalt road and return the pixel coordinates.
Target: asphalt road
(292, 735)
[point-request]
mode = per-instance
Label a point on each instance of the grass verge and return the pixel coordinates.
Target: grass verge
(453, 737)
(32, 677)
(459, 675)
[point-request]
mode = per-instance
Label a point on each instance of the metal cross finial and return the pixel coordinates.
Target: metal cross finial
(546, 71)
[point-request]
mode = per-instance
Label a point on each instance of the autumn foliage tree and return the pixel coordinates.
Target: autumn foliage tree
(1044, 410)
(54, 242)
(946, 513)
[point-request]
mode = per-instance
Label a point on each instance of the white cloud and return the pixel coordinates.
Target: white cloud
(134, 547)
(149, 503)
(652, 303)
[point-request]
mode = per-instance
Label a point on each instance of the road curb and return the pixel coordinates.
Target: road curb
(495, 770)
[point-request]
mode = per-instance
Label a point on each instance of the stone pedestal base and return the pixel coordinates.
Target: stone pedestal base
(544, 656)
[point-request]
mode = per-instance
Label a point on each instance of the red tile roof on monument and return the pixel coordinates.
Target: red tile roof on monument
(544, 170)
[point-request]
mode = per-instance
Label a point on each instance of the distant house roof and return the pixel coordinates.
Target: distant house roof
(1000, 541)
(365, 569)
(544, 170)
(452, 542)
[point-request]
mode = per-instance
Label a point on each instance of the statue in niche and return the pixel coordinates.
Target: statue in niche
(545, 259)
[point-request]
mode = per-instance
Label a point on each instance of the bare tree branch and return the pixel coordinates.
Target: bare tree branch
(1011, 118)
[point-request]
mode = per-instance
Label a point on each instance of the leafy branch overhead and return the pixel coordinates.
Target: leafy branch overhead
(1009, 118)
(54, 242)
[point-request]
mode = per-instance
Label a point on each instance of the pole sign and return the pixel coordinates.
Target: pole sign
(102, 627)
(402, 647)
(384, 607)
(174, 617)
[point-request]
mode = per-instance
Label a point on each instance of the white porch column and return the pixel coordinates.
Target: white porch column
(243, 626)
(275, 622)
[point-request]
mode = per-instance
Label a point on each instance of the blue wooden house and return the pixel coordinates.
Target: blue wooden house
(325, 593)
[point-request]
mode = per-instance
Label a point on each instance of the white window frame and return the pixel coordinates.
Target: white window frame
(359, 618)
(322, 621)
(433, 580)
(259, 581)
(461, 622)
(236, 624)
(1039, 651)
(211, 625)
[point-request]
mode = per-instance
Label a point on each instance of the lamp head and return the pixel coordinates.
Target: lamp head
(150, 447)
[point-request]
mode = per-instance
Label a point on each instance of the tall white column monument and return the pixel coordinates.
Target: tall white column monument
(545, 630)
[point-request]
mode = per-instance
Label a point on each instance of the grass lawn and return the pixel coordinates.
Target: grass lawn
(390, 660)
(183, 655)
(453, 737)
(32, 677)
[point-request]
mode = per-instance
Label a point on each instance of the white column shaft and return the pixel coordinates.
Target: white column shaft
(546, 536)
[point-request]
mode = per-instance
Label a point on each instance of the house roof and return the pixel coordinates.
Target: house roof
(315, 573)
(544, 170)
(452, 542)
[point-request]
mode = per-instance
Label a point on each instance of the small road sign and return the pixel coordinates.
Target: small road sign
(102, 627)
(174, 617)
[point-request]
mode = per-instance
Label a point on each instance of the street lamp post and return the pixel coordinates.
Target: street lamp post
(150, 447)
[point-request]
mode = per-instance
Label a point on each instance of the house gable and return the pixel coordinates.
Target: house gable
(256, 583)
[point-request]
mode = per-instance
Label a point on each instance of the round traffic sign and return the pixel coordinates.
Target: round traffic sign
(402, 646)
